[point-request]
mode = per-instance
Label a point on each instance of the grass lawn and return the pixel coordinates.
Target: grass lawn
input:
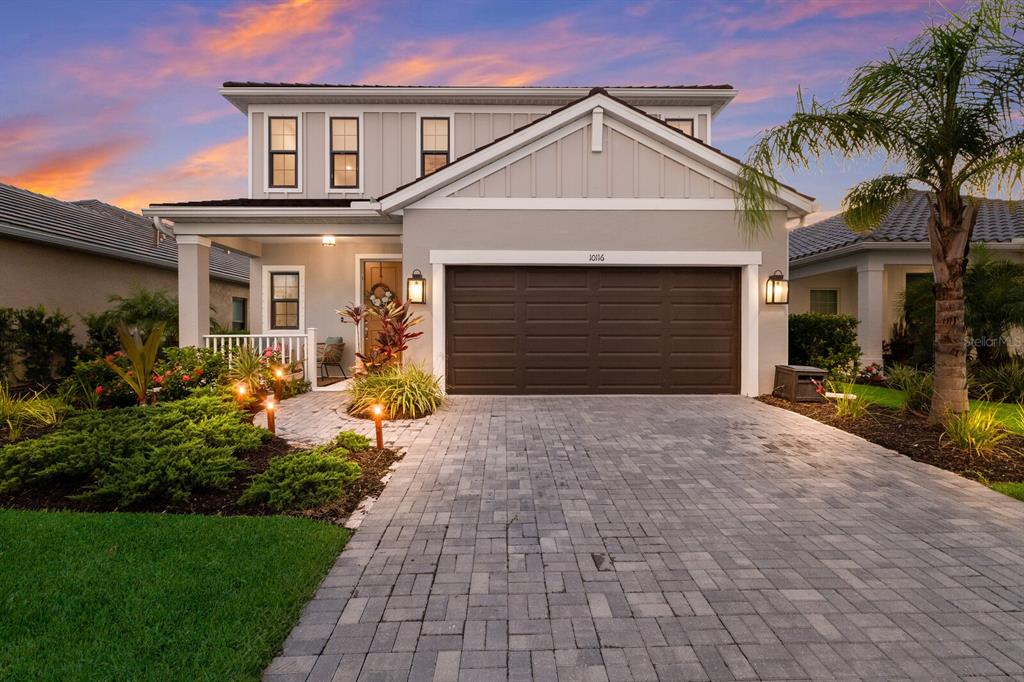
(1012, 489)
(890, 397)
(153, 597)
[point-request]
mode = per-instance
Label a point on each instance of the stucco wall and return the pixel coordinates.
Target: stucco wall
(845, 281)
(329, 283)
(597, 230)
(78, 283)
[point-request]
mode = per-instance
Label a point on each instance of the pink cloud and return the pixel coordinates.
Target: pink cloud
(66, 173)
(778, 14)
(212, 172)
(555, 49)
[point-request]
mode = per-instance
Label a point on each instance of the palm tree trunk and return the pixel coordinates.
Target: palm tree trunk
(950, 226)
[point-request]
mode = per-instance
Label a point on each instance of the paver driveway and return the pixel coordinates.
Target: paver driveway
(672, 538)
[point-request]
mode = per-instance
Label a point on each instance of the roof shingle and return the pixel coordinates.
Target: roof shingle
(100, 228)
(998, 221)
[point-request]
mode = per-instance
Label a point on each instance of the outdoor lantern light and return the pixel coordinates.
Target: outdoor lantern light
(278, 376)
(416, 288)
(378, 412)
(776, 289)
(328, 240)
(240, 390)
(271, 426)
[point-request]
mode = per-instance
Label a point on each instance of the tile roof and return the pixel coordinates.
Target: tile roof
(998, 221)
(95, 227)
(318, 203)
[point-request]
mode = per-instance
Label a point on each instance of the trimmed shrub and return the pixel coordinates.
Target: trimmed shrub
(825, 341)
(350, 441)
(46, 345)
(123, 456)
(301, 480)
(408, 392)
(917, 387)
(184, 370)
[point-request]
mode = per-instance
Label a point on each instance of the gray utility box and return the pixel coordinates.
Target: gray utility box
(794, 383)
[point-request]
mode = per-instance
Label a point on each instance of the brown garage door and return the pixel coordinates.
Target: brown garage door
(592, 329)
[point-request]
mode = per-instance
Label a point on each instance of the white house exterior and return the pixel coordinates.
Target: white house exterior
(572, 240)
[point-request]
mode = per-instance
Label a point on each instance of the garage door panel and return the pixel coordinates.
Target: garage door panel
(518, 329)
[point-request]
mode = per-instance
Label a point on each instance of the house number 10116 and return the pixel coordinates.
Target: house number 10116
(596, 258)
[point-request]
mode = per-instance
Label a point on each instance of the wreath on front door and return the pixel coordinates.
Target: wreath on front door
(381, 295)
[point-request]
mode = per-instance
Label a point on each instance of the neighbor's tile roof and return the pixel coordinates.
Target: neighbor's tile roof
(998, 221)
(95, 227)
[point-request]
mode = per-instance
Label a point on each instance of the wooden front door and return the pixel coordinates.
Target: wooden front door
(382, 281)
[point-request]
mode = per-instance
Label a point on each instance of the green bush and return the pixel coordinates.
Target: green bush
(407, 392)
(43, 342)
(93, 384)
(917, 387)
(349, 441)
(301, 480)
(825, 341)
(8, 342)
(141, 310)
(1003, 382)
(123, 456)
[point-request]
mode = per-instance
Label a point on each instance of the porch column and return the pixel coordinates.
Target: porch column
(870, 311)
(193, 289)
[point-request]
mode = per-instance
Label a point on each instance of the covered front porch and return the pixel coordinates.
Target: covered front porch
(304, 267)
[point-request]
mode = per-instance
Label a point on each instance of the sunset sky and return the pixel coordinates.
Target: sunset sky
(118, 100)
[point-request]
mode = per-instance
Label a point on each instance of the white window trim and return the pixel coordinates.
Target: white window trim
(751, 289)
(420, 115)
(835, 289)
(358, 286)
(299, 154)
(265, 308)
(328, 153)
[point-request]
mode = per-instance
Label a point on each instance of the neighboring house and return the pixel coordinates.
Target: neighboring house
(572, 240)
(836, 270)
(72, 256)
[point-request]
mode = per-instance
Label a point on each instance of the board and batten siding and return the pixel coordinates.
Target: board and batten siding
(626, 168)
(390, 146)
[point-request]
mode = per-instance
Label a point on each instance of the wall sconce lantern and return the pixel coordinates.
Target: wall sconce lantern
(328, 240)
(416, 288)
(776, 289)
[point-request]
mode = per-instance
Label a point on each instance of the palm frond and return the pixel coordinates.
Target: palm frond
(867, 202)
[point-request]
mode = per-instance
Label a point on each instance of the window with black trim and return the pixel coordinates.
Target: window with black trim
(344, 153)
(284, 152)
(434, 144)
(239, 321)
(284, 300)
(683, 125)
(825, 301)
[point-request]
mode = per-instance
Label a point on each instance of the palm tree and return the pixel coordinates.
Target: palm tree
(947, 112)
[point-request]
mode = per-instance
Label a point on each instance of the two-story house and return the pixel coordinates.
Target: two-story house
(566, 240)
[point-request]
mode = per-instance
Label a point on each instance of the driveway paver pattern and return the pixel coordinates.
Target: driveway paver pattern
(672, 538)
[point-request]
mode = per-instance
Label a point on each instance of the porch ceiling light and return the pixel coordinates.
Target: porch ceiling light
(416, 288)
(328, 240)
(776, 289)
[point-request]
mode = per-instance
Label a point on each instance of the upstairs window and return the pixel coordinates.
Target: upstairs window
(284, 152)
(434, 144)
(683, 125)
(284, 300)
(344, 153)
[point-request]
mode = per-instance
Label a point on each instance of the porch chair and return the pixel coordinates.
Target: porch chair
(329, 354)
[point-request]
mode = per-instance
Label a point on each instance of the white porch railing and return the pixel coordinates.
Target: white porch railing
(294, 347)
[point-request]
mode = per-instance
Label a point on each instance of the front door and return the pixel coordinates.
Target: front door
(382, 282)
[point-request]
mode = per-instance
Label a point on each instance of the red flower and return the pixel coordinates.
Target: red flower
(99, 390)
(199, 372)
(158, 379)
(110, 358)
(184, 377)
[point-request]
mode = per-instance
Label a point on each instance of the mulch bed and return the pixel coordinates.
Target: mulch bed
(374, 463)
(919, 439)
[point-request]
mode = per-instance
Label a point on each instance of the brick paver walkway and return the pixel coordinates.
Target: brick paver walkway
(665, 538)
